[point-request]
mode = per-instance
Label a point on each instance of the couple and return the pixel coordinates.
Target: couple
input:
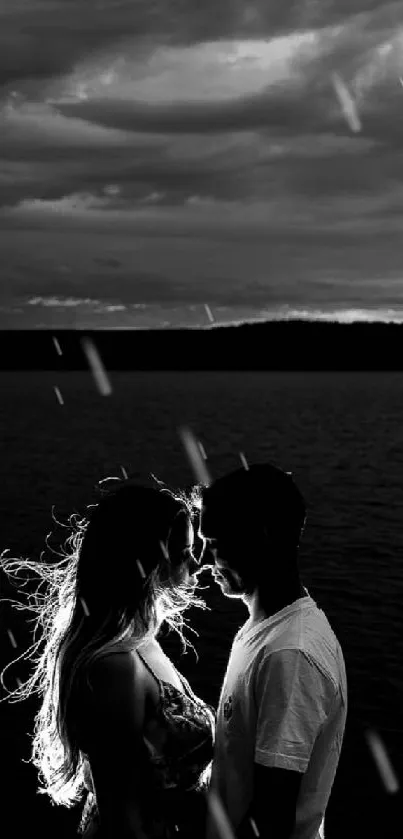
(123, 723)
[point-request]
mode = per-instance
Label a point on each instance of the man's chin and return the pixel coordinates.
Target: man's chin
(225, 587)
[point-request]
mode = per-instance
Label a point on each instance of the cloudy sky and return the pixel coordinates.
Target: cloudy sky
(170, 162)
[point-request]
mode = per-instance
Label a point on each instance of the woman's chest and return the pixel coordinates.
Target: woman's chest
(159, 667)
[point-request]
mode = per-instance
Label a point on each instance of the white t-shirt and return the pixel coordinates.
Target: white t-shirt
(283, 703)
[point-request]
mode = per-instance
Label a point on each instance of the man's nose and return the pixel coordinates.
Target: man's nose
(209, 556)
(194, 565)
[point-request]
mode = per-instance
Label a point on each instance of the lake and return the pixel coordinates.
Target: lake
(341, 434)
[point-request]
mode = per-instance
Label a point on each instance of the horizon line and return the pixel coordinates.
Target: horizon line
(210, 326)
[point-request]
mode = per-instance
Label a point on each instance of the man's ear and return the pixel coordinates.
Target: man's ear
(242, 582)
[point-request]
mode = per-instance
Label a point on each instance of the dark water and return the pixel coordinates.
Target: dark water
(342, 436)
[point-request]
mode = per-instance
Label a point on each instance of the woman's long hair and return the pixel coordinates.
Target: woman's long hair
(115, 584)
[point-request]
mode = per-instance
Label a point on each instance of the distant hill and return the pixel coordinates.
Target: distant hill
(275, 345)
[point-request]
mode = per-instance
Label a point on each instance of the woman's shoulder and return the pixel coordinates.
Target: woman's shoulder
(113, 700)
(112, 671)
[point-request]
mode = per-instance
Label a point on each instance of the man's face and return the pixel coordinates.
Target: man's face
(226, 578)
(221, 550)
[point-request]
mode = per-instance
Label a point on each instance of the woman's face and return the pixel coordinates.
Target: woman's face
(181, 542)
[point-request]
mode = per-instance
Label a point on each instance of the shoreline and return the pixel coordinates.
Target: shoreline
(270, 346)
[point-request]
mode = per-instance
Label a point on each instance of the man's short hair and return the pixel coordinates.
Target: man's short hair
(262, 497)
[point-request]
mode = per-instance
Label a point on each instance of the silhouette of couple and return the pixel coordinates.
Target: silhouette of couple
(120, 728)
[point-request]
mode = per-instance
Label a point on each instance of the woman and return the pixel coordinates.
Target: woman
(117, 720)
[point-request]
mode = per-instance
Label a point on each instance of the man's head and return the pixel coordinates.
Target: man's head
(252, 521)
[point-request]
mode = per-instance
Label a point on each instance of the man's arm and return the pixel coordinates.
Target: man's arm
(274, 804)
(291, 704)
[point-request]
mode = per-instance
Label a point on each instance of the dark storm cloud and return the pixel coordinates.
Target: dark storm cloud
(225, 167)
(371, 170)
(286, 110)
(306, 106)
(42, 40)
(216, 164)
(329, 271)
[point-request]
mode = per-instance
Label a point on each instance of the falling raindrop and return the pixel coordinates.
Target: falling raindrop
(58, 395)
(202, 450)
(219, 816)
(382, 761)
(96, 366)
(209, 313)
(254, 827)
(85, 607)
(244, 461)
(195, 458)
(57, 346)
(141, 569)
(164, 550)
(347, 103)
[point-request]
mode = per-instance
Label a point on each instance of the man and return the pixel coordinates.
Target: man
(283, 703)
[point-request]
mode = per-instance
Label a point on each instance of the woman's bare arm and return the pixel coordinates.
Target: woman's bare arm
(116, 750)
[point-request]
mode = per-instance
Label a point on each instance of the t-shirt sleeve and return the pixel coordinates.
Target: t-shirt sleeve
(292, 699)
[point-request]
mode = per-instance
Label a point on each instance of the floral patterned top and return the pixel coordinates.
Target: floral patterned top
(185, 729)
